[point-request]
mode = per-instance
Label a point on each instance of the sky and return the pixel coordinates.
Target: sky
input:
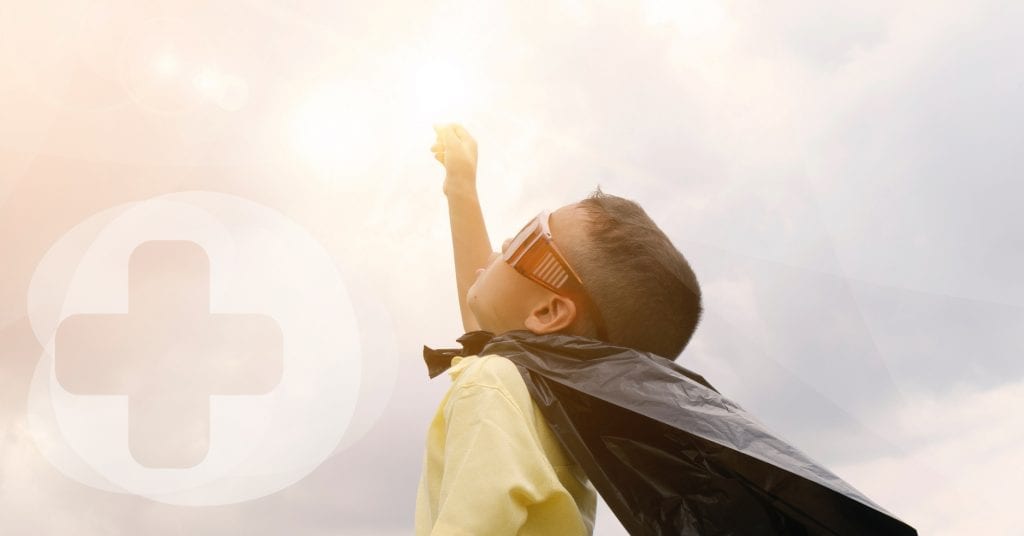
(842, 177)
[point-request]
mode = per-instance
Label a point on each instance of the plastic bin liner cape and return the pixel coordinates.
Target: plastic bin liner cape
(667, 452)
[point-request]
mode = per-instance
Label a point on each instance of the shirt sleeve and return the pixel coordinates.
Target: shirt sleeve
(494, 467)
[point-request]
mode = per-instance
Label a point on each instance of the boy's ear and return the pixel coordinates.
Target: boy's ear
(557, 313)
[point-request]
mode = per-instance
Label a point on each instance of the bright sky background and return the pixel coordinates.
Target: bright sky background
(843, 177)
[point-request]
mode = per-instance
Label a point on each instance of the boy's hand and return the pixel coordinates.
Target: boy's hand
(456, 150)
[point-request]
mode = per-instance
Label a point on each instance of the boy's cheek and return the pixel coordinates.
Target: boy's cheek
(477, 299)
(485, 288)
(496, 285)
(477, 289)
(492, 270)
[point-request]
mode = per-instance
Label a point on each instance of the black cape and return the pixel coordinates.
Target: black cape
(666, 451)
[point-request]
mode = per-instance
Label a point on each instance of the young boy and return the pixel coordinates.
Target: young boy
(493, 465)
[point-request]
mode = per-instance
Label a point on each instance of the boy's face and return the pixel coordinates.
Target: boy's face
(502, 299)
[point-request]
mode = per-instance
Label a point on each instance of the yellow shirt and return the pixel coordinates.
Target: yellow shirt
(493, 466)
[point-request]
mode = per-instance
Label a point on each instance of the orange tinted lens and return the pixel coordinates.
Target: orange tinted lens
(548, 269)
(521, 238)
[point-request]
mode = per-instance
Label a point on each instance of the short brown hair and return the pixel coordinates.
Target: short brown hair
(643, 286)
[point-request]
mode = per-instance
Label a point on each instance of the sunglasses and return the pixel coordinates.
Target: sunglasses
(534, 254)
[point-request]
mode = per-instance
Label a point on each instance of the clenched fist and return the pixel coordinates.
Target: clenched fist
(456, 150)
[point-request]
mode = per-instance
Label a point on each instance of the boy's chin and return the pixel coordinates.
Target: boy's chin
(484, 325)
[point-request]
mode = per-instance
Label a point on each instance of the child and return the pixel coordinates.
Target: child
(597, 269)
(572, 330)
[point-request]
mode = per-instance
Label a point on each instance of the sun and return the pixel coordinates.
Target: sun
(441, 90)
(347, 122)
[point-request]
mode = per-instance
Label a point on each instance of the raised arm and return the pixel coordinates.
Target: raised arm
(456, 149)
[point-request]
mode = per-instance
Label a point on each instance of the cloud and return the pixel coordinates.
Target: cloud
(960, 471)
